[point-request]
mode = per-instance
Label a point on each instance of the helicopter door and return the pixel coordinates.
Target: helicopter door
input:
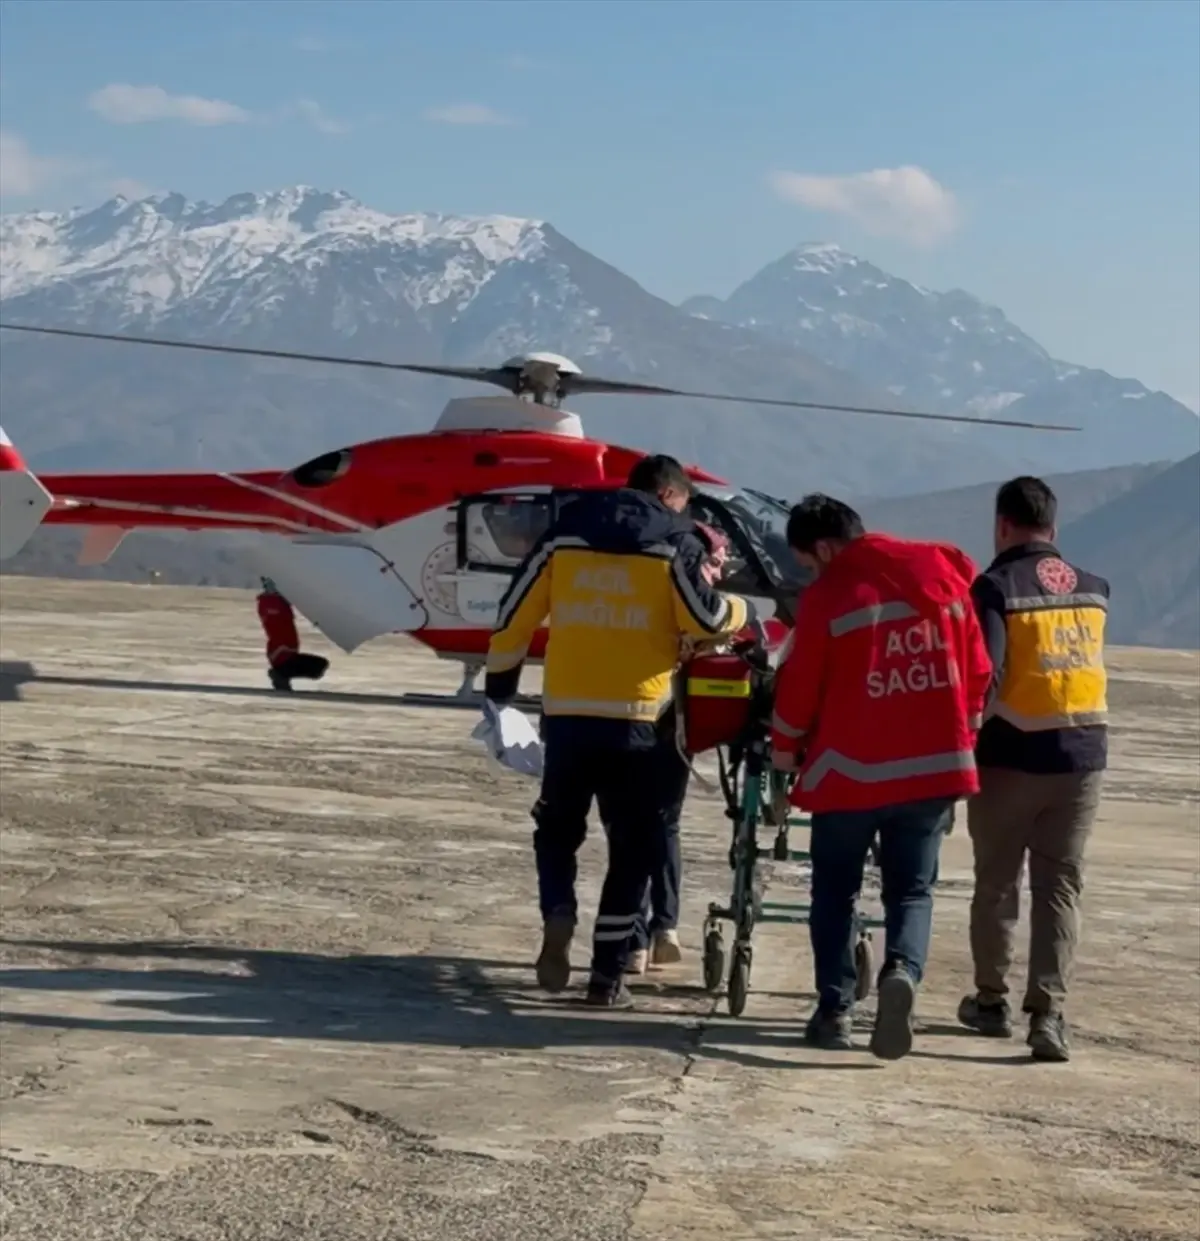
(496, 531)
(348, 590)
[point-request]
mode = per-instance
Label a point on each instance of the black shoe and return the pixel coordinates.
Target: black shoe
(1048, 1038)
(829, 1031)
(281, 683)
(603, 994)
(554, 961)
(892, 1037)
(991, 1020)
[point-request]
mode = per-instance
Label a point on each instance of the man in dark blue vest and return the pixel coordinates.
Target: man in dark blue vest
(1041, 755)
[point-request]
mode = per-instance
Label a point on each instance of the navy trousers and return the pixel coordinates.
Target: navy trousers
(660, 905)
(909, 841)
(638, 793)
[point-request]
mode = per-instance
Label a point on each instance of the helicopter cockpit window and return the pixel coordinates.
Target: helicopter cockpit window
(323, 470)
(766, 518)
(501, 530)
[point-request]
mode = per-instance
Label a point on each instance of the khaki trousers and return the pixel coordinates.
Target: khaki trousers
(1048, 819)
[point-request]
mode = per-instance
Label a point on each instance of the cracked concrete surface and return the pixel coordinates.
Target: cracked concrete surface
(266, 975)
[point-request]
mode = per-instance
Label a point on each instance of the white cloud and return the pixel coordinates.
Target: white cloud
(906, 203)
(310, 111)
(123, 104)
(466, 114)
(22, 172)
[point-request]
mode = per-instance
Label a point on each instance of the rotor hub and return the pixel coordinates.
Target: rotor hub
(539, 377)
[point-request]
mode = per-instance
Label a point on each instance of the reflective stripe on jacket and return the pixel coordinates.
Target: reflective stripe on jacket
(883, 688)
(278, 620)
(1045, 621)
(618, 577)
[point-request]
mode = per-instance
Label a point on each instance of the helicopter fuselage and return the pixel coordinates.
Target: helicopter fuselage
(416, 534)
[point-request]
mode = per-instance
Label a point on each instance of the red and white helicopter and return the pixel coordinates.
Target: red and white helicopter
(417, 534)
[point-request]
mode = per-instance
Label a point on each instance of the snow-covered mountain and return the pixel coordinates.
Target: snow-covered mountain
(165, 262)
(946, 352)
(309, 270)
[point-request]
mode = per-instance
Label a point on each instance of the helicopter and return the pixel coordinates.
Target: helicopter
(417, 534)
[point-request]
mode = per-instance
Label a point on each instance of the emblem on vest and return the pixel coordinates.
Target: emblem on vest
(1056, 576)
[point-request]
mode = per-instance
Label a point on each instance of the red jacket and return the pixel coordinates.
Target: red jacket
(279, 624)
(880, 697)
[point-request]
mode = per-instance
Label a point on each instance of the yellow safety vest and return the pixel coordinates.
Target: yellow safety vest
(1054, 675)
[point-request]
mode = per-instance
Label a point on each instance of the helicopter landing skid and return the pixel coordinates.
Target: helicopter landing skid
(468, 702)
(468, 696)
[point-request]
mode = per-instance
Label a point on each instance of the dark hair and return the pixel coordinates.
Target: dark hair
(819, 517)
(1028, 503)
(656, 473)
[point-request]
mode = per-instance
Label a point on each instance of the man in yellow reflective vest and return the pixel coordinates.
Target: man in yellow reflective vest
(620, 574)
(1041, 756)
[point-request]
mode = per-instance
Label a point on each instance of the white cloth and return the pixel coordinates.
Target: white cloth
(511, 739)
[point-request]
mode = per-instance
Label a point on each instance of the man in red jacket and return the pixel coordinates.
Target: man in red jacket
(876, 710)
(284, 657)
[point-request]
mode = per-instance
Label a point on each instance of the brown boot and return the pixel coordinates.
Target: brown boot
(639, 958)
(554, 961)
(1048, 1039)
(665, 949)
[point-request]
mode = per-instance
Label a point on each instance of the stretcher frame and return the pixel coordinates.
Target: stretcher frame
(752, 789)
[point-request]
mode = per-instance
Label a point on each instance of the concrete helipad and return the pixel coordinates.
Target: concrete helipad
(266, 977)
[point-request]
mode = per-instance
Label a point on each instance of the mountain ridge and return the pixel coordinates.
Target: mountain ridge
(1147, 540)
(942, 350)
(307, 269)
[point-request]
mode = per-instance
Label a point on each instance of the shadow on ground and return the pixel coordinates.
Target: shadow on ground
(423, 1000)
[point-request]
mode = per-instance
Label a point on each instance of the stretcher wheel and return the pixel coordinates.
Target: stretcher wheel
(714, 960)
(739, 982)
(864, 967)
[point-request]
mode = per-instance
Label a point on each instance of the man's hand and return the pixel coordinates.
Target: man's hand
(951, 821)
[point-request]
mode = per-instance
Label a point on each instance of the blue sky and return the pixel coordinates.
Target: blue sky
(1043, 155)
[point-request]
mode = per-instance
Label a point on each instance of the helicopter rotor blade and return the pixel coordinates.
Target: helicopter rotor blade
(507, 378)
(481, 374)
(582, 384)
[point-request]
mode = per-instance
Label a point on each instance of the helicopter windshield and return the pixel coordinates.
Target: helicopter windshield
(762, 521)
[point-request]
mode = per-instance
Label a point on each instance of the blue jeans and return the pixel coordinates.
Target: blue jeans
(909, 841)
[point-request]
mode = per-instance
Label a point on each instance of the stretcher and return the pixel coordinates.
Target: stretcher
(725, 704)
